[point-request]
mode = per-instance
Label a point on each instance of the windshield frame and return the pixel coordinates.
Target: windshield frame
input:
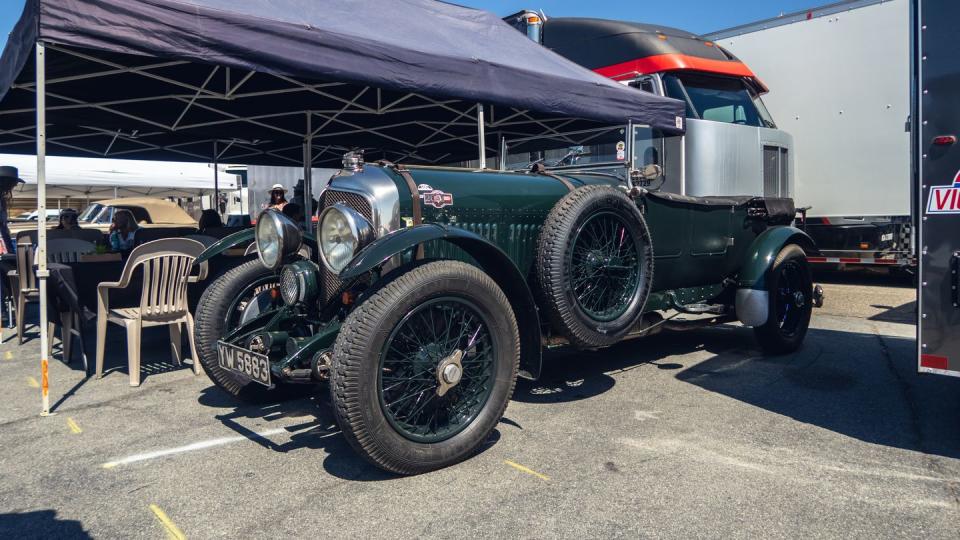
(585, 136)
(91, 211)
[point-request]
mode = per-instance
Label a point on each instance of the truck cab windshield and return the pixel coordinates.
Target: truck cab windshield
(719, 99)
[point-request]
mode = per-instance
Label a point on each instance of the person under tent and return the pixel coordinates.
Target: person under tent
(209, 218)
(68, 220)
(278, 197)
(122, 230)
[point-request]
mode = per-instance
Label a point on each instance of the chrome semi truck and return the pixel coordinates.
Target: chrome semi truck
(840, 84)
(732, 144)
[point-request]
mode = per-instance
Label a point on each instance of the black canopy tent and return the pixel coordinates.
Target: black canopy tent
(163, 79)
(289, 82)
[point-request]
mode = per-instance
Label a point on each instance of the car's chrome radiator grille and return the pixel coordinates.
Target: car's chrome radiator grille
(330, 283)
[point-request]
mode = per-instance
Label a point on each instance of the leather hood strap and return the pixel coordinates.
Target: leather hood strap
(412, 186)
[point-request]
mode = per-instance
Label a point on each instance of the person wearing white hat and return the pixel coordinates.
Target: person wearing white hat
(278, 197)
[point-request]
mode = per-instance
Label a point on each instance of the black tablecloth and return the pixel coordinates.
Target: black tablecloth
(73, 287)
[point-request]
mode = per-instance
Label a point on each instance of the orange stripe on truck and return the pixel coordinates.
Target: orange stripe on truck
(673, 61)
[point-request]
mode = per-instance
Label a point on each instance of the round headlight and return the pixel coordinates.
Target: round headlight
(342, 232)
(277, 237)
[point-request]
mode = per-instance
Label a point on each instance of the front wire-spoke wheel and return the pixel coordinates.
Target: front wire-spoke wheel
(436, 370)
(230, 300)
(424, 368)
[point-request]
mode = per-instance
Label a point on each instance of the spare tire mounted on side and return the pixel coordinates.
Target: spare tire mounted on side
(595, 265)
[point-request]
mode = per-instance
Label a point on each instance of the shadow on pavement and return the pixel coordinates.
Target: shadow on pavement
(570, 375)
(317, 431)
(40, 524)
(859, 385)
(905, 313)
(855, 384)
(864, 275)
(155, 354)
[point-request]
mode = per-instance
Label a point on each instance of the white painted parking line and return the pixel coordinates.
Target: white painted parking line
(202, 445)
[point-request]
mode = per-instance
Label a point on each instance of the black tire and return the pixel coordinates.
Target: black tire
(560, 276)
(790, 288)
(364, 348)
(211, 323)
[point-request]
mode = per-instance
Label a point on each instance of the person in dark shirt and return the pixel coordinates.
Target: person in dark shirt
(68, 220)
(209, 218)
(9, 179)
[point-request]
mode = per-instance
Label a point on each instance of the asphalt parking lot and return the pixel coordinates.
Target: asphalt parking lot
(680, 435)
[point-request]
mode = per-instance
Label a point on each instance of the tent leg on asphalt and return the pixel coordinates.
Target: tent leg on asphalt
(41, 256)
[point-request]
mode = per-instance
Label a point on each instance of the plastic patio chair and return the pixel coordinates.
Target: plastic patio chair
(166, 268)
(67, 250)
(26, 287)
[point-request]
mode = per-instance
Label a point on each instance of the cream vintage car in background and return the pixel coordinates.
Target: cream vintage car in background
(149, 212)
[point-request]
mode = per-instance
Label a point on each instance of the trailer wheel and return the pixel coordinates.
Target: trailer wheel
(594, 265)
(222, 307)
(424, 368)
(790, 290)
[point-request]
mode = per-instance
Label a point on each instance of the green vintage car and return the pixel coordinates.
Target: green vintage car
(427, 291)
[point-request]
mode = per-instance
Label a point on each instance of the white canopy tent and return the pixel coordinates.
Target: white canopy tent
(97, 178)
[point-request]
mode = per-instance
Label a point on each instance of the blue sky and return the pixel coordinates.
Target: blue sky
(699, 16)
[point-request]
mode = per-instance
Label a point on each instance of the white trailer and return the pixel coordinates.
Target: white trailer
(839, 79)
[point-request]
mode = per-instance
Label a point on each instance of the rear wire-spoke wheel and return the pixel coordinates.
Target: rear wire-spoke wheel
(424, 368)
(594, 266)
(790, 291)
(604, 266)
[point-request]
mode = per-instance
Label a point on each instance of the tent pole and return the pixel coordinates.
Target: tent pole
(503, 153)
(216, 180)
(482, 137)
(41, 254)
(308, 174)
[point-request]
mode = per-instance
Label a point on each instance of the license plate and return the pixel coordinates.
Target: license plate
(252, 365)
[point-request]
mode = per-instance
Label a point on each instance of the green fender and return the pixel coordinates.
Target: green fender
(491, 259)
(240, 237)
(764, 250)
(227, 242)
